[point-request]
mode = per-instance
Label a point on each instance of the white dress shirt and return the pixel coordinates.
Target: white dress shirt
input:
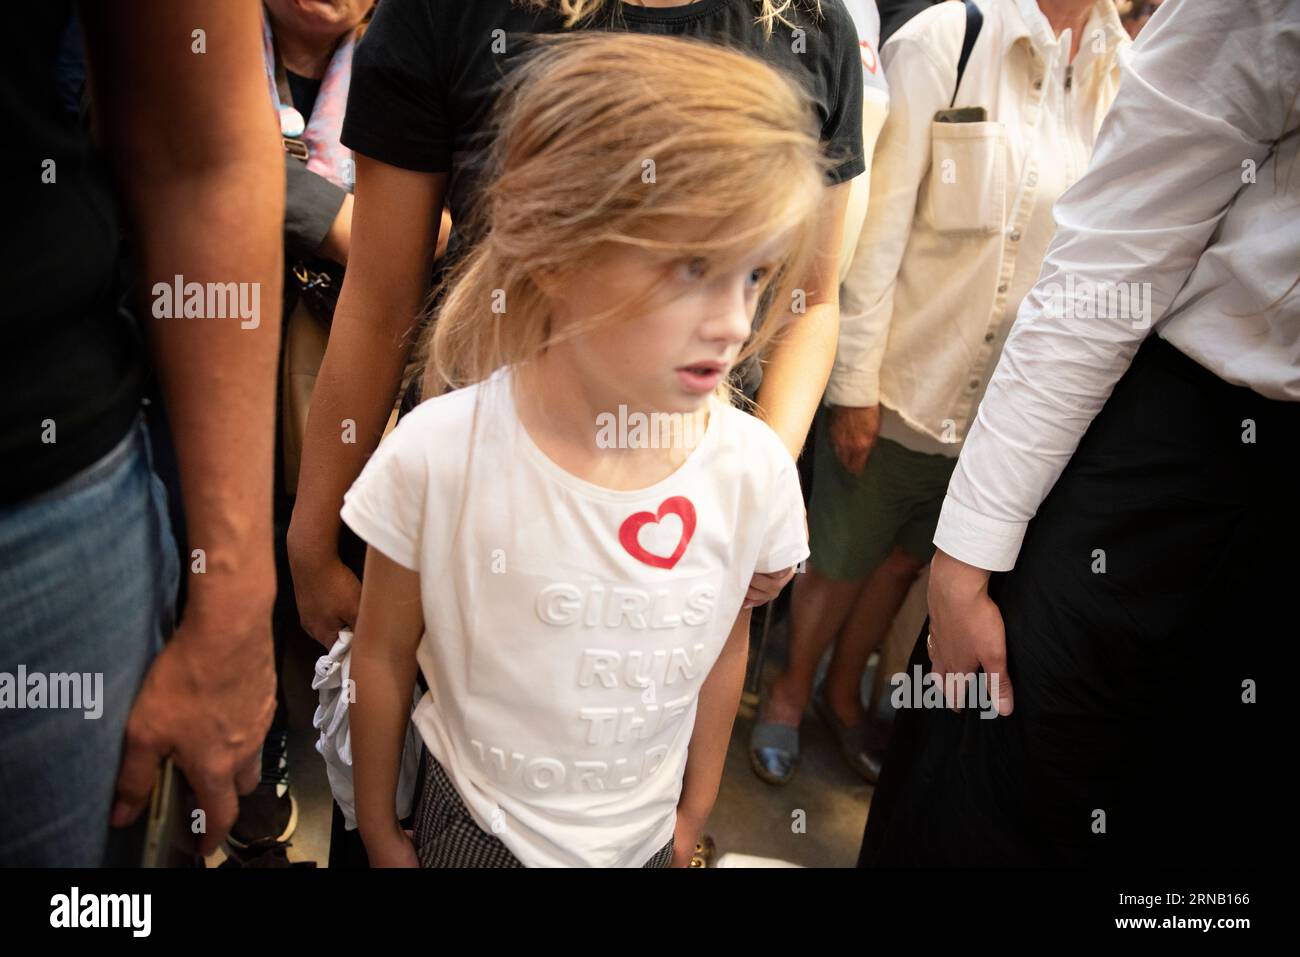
(1192, 205)
(960, 214)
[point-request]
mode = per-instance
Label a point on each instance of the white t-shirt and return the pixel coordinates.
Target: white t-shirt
(569, 627)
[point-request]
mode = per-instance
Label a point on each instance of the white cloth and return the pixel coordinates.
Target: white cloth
(750, 860)
(568, 627)
(961, 213)
(335, 741)
(1193, 203)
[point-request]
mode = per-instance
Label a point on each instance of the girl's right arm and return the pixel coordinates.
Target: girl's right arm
(395, 222)
(388, 632)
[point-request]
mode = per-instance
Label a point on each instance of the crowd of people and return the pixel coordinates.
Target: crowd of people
(317, 313)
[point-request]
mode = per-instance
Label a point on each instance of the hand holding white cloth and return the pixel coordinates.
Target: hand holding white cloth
(335, 743)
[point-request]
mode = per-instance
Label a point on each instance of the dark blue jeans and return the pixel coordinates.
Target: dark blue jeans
(87, 588)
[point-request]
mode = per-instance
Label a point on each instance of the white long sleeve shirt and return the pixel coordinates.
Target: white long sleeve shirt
(1192, 206)
(947, 252)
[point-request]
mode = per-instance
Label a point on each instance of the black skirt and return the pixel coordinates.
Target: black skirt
(1146, 619)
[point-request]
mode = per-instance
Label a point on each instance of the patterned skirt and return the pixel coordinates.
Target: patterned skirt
(446, 835)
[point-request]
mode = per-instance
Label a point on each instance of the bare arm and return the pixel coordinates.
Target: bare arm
(197, 158)
(714, 717)
(801, 359)
(395, 221)
(383, 666)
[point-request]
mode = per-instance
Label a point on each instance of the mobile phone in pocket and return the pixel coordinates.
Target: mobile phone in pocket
(963, 114)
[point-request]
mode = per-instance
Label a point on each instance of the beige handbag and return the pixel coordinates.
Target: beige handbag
(305, 338)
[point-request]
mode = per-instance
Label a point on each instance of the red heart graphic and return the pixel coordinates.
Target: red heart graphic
(866, 49)
(678, 505)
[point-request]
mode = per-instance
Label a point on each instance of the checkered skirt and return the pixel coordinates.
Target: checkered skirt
(446, 835)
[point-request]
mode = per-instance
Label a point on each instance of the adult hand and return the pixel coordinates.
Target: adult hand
(853, 435)
(763, 587)
(966, 629)
(327, 592)
(207, 701)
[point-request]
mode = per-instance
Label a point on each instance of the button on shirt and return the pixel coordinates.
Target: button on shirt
(961, 214)
(1188, 221)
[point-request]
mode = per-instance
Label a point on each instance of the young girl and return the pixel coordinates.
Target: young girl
(423, 81)
(564, 542)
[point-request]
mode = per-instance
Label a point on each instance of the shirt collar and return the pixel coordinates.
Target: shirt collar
(1029, 23)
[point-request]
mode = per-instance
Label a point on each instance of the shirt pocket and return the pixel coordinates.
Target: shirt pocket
(968, 177)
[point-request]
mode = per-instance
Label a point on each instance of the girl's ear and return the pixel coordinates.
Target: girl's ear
(547, 280)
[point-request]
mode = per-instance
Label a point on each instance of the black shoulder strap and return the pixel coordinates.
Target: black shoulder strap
(974, 21)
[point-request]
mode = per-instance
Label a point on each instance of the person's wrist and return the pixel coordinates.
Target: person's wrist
(235, 601)
(312, 542)
(961, 579)
(375, 834)
(691, 818)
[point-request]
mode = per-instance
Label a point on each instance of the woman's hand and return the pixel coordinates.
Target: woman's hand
(393, 847)
(966, 629)
(763, 587)
(853, 434)
(327, 592)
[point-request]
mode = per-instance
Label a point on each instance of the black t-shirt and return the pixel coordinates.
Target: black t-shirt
(425, 75)
(303, 90)
(71, 363)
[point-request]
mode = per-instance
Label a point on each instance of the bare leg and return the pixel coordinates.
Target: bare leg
(868, 622)
(819, 606)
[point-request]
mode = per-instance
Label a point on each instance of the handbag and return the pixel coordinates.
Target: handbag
(307, 324)
(306, 334)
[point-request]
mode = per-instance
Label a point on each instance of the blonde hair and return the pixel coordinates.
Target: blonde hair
(607, 140)
(770, 12)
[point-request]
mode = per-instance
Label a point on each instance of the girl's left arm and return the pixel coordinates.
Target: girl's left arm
(714, 717)
(802, 356)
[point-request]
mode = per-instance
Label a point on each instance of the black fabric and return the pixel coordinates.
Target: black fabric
(974, 23)
(311, 204)
(425, 76)
(303, 91)
(894, 13)
(67, 354)
(1128, 684)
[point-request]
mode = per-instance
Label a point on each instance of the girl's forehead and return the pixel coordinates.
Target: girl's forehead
(720, 242)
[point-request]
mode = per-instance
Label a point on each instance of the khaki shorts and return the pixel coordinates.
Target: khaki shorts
(854, 522)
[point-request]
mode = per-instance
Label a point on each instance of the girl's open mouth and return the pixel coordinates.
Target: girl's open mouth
(700, 379)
